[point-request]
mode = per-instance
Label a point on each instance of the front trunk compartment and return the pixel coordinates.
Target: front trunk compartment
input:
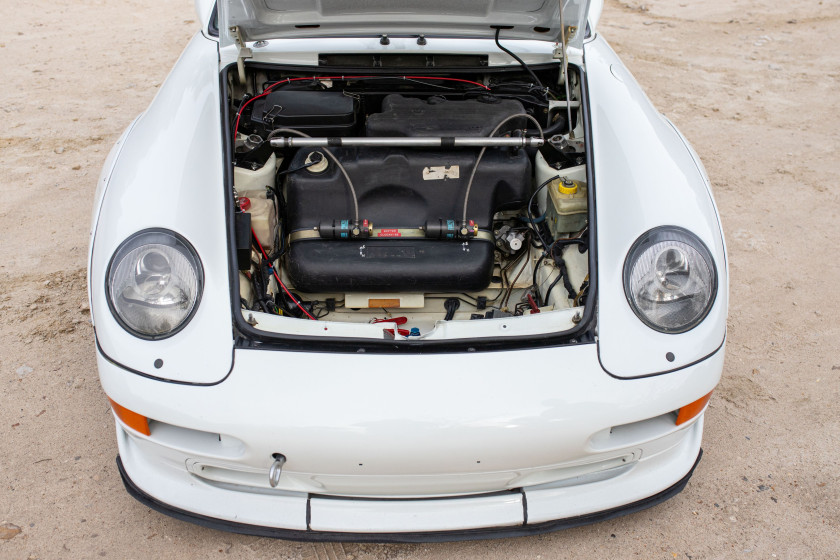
(371, 210)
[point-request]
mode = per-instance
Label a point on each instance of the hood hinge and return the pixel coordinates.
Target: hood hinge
(569, 34)
(243, 53)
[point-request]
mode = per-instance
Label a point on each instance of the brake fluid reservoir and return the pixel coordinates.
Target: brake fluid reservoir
(568, 209)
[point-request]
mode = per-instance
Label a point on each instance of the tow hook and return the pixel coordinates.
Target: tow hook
(276, 469)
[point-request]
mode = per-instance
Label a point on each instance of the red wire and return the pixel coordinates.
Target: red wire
(287, 80)
(282, 285)
(242, 108)
(447, 80)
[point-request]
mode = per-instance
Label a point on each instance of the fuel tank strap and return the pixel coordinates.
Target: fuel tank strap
(387, 233)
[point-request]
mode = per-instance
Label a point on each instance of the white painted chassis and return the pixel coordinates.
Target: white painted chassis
(454, 427)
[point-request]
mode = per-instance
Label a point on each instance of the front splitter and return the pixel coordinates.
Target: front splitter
(435, 536)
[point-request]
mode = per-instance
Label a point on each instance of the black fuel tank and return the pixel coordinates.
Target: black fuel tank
(405, 188)
(399, 187)
(390, 265)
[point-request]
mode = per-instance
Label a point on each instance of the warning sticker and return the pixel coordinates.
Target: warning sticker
(441, 172)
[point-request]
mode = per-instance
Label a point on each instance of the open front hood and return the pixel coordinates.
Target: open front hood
(521, 19)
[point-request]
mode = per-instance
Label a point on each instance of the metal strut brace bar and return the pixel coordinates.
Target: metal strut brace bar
(408, 142)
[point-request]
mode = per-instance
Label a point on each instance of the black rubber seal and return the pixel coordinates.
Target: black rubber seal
(438, 536)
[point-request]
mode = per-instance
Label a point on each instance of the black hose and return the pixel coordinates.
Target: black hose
(564, 274)
(451, 305)
(304, 166)
(280, 201)
(544, 301)
(531, 202)
(551, 130)
(520, 61)
(561, 264)
(258, 282)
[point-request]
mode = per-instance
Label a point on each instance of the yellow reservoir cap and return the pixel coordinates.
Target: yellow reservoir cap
(565, 186)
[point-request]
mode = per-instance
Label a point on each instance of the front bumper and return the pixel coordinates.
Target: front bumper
(423, 448)
(522, 530)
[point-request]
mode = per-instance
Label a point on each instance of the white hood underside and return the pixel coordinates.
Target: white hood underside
(522, 19)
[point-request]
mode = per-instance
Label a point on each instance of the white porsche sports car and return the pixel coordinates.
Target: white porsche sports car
(400, 271)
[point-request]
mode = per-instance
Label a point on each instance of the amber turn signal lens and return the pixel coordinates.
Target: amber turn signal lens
(136, 422)
(691, 410)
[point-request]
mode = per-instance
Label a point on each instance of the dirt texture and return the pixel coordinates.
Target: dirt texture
(752, 84)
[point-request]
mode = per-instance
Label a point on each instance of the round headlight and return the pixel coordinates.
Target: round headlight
(154, 283)
(670, 279)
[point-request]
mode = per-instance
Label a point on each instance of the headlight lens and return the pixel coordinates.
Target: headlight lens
(154, 283)
(670, 279)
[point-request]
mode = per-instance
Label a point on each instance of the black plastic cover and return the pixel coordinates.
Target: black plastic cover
(438, 116)
(317, 113)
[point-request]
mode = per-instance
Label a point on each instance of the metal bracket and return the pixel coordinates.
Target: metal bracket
(244, 52)
(566, 144)
(569, 34)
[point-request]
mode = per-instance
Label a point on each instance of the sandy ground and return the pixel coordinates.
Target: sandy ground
(752, 84)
